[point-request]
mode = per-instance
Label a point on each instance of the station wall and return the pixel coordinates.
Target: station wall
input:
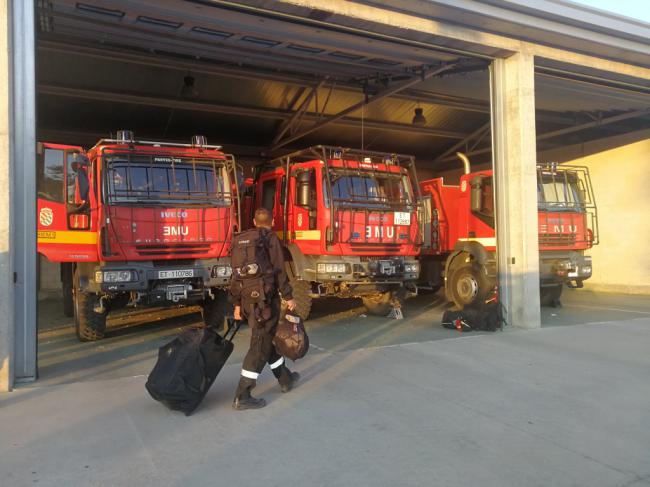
(621, 180)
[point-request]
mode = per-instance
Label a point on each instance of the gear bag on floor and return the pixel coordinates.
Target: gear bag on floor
(188, 365)
(290, 338)
(484, 318)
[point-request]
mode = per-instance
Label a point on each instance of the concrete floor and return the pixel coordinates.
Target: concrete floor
(381, 403)
(335, 325)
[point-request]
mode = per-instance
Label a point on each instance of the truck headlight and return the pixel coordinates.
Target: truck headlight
(412, 268)
(115, 276)
(221, 271)
(336, 268)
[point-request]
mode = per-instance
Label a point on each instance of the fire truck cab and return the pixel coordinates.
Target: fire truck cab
(137, 223)
(459, 250)
(348, 220)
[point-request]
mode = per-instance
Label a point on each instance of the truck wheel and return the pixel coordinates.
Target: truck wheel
(301, 294)
(380, 304)
(468, 285)
(550, 295)
(68, 300)
(214, 310)
(90, 326)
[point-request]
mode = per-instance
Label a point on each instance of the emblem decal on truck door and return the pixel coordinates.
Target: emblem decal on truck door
(46, 217)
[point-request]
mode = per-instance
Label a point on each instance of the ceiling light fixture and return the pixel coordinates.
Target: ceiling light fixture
(188, 90)
(419, 119)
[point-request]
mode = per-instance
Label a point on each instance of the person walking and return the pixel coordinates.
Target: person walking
(259, 281)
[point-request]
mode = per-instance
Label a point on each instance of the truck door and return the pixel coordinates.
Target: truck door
(424, 218)
(268, 197)
(77, 189)
(65, 202)
(63, 229)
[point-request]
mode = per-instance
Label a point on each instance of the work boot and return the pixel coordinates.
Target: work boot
(293, 378)
(248, 402)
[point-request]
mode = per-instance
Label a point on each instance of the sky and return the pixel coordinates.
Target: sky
(637, 9)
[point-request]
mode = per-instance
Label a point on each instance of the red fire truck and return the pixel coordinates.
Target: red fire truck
(459, 248)
(349, 223)
(137, 223)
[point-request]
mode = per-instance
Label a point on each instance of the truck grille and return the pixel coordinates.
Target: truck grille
(557, 239)
(389, 248)
(176, 249)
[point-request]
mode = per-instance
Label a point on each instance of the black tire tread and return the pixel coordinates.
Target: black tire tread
(214, 311)
(90, 326)
(378, 304)
(301, 294)
(549, 296)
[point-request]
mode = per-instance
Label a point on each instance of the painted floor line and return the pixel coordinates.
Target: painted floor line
(607, 308)
(320, 349)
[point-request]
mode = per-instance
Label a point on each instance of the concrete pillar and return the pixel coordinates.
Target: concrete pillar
(23, 202)
(6, 281)
(513, 129)
(17, 192)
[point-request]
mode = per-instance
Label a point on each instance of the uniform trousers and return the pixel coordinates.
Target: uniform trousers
(261, 350)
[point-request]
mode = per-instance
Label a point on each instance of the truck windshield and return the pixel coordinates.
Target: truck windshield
(166, 180)
(373, 190)
(559, 193)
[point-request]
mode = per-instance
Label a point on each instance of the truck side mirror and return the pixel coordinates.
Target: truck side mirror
(304, 189)
(476, 196)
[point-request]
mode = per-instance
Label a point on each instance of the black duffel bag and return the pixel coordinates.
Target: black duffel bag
(188, 365)
(483, 318)
(290, 338)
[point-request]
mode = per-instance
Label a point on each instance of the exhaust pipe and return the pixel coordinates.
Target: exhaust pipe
(465, 160)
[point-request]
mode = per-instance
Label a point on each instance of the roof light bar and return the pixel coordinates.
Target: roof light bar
(125, 137)
(199, 141)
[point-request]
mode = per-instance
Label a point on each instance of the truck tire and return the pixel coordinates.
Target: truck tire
(90, 326)
(301, 294)
(68, 300)
(468, 285)
(381, 304)
(550, 295)
(214, 310)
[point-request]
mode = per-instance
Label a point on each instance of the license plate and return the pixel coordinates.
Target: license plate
(573, 273)
(179, 274)
(402, 218)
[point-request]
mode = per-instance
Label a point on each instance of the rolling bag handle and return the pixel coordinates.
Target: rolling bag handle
(233, 326)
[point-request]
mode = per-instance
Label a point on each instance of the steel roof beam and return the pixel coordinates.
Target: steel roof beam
(267, 113)
(295, 118)
(121, 55)
(570, 130)
(476, 134)
(383, 94)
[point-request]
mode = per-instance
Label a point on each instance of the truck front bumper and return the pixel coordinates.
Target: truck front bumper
(358, 270)
(564, 268)
(171, 282)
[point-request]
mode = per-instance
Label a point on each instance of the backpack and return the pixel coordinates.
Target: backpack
(252, 271)
(483, 318)
(290, 338)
